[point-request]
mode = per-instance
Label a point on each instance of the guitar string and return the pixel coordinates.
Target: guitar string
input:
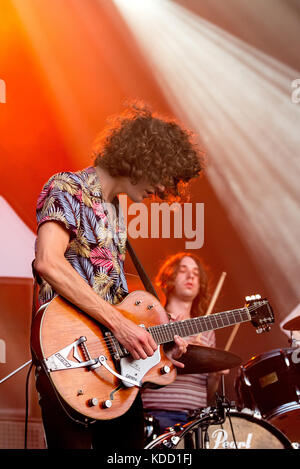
(159, 328)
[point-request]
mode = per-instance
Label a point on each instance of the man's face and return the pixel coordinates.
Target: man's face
(143, 189)
(187, 281)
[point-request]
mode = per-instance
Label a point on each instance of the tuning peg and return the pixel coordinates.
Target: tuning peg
(253, 297)
(263, 328)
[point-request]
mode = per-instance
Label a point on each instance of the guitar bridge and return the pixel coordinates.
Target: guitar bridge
(118, 350)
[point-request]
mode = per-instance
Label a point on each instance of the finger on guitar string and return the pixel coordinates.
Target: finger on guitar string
(180, 347)
(137, 341)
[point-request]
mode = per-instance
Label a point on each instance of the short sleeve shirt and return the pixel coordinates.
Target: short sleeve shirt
(97, 243)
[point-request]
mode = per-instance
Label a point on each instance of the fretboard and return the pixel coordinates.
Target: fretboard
(164, 333)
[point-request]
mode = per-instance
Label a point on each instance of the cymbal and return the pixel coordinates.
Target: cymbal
(292, 325)
(199, 359)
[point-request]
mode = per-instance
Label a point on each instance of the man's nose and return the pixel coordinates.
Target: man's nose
(190, 274)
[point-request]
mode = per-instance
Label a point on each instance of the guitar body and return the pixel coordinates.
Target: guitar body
(92, 374)
(59, 324)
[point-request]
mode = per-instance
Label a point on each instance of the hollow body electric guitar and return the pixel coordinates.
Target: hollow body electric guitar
(93, 375)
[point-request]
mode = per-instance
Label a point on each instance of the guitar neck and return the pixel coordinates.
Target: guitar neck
(165, 333)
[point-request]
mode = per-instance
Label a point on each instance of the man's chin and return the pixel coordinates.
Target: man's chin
(188, 295)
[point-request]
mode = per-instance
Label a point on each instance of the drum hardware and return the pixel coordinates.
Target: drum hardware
(208, 417)
(198, 428)
(223, 427)
(176, 429)
(200, 359)
(151, 428)
(294, 343)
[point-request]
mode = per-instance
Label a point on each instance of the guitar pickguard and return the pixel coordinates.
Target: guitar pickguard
(136, 369)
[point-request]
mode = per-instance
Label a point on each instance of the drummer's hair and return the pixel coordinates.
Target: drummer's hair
(167, 274)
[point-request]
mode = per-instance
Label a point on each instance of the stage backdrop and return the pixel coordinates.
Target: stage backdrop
(226, 70)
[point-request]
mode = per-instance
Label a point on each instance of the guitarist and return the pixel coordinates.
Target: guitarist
(80, 252)
(184, 282)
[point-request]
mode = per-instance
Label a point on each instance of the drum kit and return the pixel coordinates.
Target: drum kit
(266, 414)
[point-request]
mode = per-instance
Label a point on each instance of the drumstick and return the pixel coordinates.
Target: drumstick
(216, 293)
(214, 298)
(231, 337)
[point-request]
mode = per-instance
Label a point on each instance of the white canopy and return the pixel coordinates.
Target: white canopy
(16, 244)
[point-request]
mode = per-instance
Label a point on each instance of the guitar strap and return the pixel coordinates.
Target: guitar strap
(143, 276)
(137, 263)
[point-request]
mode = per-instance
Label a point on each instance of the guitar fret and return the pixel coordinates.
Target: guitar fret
(219, 322)
(154, 334)
(165, 332)
(204, 324)
(240, 315)
(186, 329)
(194, 331)
(175, 327)
(160, 334)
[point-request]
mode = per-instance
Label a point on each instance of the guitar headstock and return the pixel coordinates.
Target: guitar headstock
(261, 313)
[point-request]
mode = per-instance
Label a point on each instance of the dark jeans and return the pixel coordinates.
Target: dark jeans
(123, 433)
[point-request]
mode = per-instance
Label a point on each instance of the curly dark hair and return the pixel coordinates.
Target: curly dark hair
(138, 144)
(167, 274)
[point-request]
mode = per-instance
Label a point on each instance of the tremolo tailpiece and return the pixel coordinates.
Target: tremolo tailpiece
(60, 361)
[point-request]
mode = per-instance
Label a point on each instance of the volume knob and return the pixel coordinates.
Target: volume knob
(106, 404)
(165, 370)
(93, 402)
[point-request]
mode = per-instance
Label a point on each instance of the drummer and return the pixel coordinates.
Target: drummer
(184, 282)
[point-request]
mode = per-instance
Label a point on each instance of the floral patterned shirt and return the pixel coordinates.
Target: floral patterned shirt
(97, 243)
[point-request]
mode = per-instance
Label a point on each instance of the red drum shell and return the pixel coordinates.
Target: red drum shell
(270, 383)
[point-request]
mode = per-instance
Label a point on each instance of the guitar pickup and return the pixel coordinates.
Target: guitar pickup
(61, 361)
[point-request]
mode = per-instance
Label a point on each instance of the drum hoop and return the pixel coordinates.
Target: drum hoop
(190, 425)
(160, 438)
(230, 413)
(283, 409)
(265, 356)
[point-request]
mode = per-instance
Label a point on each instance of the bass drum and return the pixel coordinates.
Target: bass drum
(240, 430)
